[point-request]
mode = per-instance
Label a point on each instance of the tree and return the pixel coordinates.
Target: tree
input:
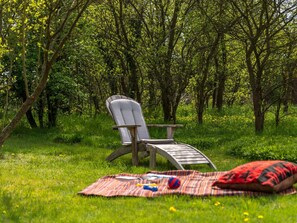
(60, 18)
(118, 34)
(211, 25)
(257, 29)
(289, 61)
(164, 24)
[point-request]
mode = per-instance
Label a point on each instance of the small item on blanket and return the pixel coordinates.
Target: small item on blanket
(156, 176)
(150, 178)
(141, 185)
(127, 178)
(153, 189)
(173, 183)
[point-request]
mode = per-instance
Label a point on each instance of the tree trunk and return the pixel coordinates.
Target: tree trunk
(221, 77)
(294, 91)
(220, 92)
(201, 94)
(258, 112)
(11, 126)
(259, 122)
(200, 102)
(200, 109)
(277, 113)
(31, 119)
(255, 78)
(166, 105)
(29, 115)
(152, 102)
(215, 90)
(167, 84)
(96, 104)
(258, 107)
(47, 64)
(52, 111)
(40, 112)
(26, 105)
(133, 78)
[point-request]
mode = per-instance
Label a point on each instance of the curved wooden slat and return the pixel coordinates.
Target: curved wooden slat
(179, 155)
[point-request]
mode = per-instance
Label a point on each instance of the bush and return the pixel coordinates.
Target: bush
(266, 148)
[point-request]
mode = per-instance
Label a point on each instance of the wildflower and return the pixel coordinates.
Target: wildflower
(260, 216)
(172, 209)
(217, 203)
(246, 213)
(246, 219)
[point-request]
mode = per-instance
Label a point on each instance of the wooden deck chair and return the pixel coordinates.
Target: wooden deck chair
(129, 120)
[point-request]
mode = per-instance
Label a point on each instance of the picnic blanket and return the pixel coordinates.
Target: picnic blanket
(193, 183)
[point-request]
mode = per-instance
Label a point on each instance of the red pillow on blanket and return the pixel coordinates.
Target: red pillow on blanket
(266, 176)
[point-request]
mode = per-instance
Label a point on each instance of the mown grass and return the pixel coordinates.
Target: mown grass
(41, 171)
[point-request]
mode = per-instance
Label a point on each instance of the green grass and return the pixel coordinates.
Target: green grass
(41, 171)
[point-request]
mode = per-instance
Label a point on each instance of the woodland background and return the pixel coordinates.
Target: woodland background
(60, 57)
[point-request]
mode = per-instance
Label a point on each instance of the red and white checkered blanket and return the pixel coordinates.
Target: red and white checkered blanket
(193, 183)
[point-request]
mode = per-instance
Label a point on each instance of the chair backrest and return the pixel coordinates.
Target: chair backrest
(112, 98)
(126, 111)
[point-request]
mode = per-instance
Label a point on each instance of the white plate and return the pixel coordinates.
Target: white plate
(126, 178)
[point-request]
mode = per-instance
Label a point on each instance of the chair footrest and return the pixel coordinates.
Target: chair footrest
(178, 155)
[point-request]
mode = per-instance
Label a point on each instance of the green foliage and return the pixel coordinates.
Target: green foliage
(149, 50)
(232, 130)
(68, 138)
(274, 143)
(266, 148)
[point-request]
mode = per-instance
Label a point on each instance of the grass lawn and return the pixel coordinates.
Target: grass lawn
(41, 171)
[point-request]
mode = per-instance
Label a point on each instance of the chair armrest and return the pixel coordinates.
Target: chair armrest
(133, 132)
(126, 126)
(165, 125)
(170, 128)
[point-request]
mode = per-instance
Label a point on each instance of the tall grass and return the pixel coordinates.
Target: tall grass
(41, 171)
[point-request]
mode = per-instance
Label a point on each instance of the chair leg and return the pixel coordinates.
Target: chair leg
(119, 152)
(126, 150)
(153, 157)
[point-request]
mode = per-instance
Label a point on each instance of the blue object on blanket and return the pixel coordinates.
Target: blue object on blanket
(154, 189)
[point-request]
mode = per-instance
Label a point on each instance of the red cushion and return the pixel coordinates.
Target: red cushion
(267, 176)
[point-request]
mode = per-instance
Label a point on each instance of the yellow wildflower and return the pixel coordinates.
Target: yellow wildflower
(217, 203)
(172, 209)
(260, 216)
(246, 219)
